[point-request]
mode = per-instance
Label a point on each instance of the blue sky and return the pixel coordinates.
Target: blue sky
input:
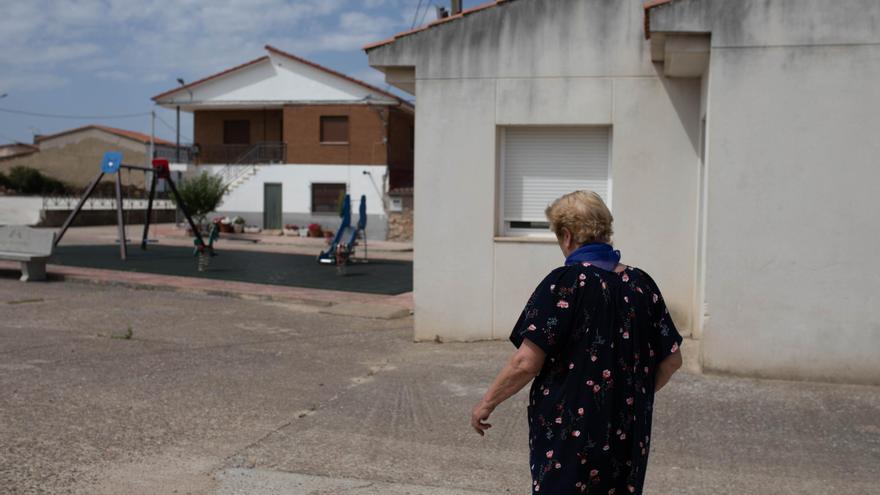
(108, 57)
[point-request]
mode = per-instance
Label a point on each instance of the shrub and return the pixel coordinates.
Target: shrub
(26, 180)
(202, 195)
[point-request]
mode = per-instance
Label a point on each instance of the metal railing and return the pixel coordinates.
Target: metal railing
(70, 202)
(170, 153)
(235, 154)
(260, 153)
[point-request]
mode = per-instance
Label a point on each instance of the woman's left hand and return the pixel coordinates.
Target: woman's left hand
(479, 415)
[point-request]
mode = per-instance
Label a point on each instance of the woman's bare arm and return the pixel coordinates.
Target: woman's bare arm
(667, 368)
(522, 367)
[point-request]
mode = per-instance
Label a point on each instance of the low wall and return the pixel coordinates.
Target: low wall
(56, 218)
(52, 212)
(20, 210)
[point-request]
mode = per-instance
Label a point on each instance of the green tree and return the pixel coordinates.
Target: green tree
(202, 195)
(26, 180)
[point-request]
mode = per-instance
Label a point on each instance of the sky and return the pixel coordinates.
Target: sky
(98, 58)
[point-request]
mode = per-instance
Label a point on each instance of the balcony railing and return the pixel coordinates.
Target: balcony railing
(263, 152)
(170, 153)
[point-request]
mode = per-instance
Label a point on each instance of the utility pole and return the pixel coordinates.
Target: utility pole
(178, 134)
(152, 138)
(177, 151)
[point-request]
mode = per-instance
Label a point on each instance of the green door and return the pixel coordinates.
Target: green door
(272, 206)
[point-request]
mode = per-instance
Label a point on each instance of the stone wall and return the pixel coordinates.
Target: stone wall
(400, 223)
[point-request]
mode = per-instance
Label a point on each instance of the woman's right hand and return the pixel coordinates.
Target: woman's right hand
(479, 415)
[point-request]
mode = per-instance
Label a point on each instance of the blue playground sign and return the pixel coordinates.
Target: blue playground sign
(111, 162)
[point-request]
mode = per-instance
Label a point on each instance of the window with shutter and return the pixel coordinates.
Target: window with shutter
(334, 129)
(327, 198)
(540, 164)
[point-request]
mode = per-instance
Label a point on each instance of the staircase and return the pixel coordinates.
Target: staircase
(249, 163)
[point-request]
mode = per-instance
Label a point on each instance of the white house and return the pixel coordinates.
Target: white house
(735, 142)
(291, 137)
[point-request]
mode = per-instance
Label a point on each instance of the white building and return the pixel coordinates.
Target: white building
(291, 137)
(735, 142)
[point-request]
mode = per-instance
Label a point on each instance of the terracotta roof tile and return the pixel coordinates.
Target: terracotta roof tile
(137, 136)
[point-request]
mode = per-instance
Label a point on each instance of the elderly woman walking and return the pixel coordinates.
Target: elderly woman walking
(598, 341)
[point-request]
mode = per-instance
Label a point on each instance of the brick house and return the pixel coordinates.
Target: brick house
(291, 137)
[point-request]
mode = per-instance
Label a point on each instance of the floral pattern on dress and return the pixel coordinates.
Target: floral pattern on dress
(591, 405)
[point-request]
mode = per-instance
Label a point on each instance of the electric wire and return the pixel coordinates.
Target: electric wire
(416, 14)
(63, 116)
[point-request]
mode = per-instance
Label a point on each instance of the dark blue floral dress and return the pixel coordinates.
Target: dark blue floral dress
(590, 407)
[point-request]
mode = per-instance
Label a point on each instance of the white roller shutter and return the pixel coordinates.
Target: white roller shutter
(542, 163)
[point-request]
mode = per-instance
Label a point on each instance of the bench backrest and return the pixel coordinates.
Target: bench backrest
(25, 240)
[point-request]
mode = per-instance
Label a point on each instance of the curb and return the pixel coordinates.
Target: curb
(342, 303)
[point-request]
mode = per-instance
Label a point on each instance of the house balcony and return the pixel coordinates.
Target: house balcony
(236, 154)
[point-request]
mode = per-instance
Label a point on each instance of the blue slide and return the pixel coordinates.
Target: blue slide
(346, 235)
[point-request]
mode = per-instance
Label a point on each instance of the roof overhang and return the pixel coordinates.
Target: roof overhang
(192, 106)
(682, 55)
(679, 32)
(186, 96)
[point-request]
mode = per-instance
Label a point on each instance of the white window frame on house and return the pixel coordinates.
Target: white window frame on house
(541, 230)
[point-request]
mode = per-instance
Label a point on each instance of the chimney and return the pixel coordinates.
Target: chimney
(456, 7)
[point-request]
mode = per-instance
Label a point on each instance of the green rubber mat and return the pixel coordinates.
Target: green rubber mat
(289, 270)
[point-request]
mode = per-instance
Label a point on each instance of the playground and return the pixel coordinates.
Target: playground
(377, 276)
(192, 252)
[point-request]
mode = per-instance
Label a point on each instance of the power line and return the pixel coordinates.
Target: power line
(172, 128)
(416, 14)
(59, 116)
(425, 13)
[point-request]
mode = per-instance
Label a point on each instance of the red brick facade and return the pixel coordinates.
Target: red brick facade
(377, 135)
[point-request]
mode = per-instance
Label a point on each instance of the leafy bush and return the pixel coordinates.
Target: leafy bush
(26, 180)
(202, 195)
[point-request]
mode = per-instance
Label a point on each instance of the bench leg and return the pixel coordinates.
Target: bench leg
(32, 271)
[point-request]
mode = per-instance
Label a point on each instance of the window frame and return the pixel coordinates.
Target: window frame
(312, 196)
(321, 129)
(502, 228)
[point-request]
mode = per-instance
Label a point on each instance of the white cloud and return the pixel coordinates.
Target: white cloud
(45, 41)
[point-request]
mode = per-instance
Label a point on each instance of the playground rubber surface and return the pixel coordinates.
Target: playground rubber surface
(289, 270)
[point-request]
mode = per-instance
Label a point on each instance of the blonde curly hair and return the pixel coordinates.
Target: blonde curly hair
(583, 214)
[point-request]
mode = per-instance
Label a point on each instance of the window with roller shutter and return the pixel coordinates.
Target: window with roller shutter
(540, 164)
(334, 129)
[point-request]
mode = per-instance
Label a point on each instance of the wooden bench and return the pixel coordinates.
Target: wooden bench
(31, 247)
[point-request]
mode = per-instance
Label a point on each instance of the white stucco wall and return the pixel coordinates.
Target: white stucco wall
(275, 79)
(567, 62)
(791, 286)
(20, 210)
(296, 195)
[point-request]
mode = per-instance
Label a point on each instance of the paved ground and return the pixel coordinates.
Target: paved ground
(228, 396)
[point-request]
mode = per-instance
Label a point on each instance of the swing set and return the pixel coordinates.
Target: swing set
(112, 164)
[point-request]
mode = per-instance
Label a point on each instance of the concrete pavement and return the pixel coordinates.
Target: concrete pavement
(218, 395)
